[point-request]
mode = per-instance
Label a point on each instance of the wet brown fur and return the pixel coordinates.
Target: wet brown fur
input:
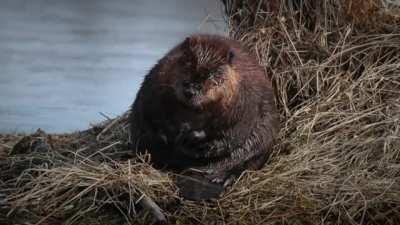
(229, 125)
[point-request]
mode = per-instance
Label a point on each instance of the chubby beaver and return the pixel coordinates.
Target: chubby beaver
(206, 110)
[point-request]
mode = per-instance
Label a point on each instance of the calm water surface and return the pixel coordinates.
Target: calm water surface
(62, 62)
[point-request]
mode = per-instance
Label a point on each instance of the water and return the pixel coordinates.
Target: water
(62, 62)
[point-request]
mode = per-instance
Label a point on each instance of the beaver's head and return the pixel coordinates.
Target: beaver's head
(206, 73)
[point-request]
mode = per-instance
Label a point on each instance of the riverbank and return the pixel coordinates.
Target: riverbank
(335, 67)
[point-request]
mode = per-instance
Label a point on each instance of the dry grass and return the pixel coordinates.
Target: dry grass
(336, 70)
(79, 178)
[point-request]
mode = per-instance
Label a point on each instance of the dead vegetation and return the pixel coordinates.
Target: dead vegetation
(336, 69)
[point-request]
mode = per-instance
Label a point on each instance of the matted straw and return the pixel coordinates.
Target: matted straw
(335, 65)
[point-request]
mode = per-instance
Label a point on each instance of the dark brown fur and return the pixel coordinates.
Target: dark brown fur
(208, 106)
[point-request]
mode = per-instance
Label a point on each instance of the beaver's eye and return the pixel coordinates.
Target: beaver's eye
(213, 74)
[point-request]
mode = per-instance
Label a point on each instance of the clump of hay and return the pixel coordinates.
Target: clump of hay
(88, 177)
(372, 13)
(338, 89)
(336, 73)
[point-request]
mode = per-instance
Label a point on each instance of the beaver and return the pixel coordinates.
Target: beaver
(205, 109)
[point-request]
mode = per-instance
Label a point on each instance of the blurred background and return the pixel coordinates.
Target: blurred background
(63, 62)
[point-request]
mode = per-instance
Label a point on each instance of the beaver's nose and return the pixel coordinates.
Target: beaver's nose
(189, 92)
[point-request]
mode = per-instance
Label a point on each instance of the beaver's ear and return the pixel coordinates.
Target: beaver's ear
(230, 56)
(186, 43)
(189, 42)
(186, 48)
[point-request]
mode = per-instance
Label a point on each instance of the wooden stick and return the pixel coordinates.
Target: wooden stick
(149, 204)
